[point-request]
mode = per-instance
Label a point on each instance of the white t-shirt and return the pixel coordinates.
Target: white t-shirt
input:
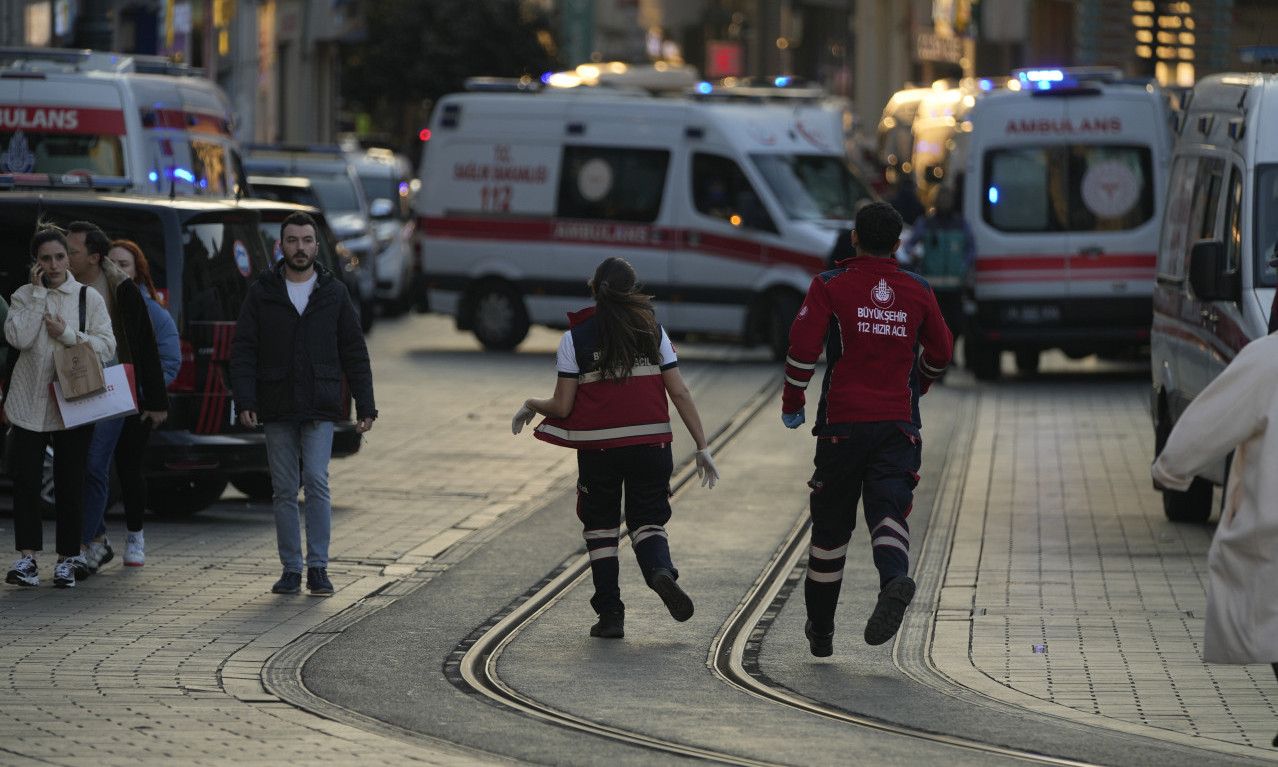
(566, 361)
(300, 292)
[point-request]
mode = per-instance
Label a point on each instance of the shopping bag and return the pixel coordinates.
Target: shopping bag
(79, 370)
(118, 398)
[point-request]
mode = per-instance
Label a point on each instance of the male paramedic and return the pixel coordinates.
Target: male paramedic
(871, 317)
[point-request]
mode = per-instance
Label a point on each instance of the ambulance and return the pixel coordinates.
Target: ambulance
(726, 209)
(1064, 192)
(1215, 283)
(118, 120)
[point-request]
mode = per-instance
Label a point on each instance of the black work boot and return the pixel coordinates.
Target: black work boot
(819, 642)
(886, 618)
(611, 625)
(677, 600)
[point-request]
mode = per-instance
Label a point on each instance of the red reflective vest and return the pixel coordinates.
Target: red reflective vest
(609, 413)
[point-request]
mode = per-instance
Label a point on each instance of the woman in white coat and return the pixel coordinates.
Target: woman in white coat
(1236, 411)
(45, 314)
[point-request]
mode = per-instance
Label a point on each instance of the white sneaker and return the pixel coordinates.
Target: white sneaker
(64, 572)
(135, 550)
(98, 554)
(24, 573)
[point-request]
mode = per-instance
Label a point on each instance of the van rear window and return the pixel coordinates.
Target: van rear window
(1077, 188)
(220, 260)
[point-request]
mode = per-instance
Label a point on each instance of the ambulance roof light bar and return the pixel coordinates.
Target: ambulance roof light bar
(1064, 77)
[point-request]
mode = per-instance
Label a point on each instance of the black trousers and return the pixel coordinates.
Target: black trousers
(71, 454)
(878, 464)
(128, 467)
(642, 474)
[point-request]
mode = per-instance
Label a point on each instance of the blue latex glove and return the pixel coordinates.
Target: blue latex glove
(793, 420)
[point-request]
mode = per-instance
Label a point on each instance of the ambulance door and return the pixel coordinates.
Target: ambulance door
(721, 252)
(1020, 215)
(1110, 190)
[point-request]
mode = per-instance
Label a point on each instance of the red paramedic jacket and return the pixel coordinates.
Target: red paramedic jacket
(607, 413)
(871, 316)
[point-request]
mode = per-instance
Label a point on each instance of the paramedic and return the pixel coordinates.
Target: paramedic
(871, 317)
(616, 367)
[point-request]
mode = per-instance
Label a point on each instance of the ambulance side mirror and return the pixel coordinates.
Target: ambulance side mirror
(1210, 276)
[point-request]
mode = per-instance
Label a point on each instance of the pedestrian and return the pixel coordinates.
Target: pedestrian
(906, 198)
(616, 368)
(46, 313)
(129, 449)
(1233, 414)
(942, 249)
(871, 317)
(297, 335)
(135, 345)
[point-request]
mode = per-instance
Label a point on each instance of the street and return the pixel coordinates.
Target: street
(1058, 616)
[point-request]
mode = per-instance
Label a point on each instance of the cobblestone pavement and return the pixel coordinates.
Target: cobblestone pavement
(1067, 591)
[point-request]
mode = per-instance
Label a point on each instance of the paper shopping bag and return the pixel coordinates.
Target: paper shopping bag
(79, 370)
(118, 398)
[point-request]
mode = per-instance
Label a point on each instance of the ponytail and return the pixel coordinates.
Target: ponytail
(625, 319)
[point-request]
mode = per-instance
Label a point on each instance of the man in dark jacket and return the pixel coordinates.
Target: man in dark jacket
(135, 344)
(296, 337)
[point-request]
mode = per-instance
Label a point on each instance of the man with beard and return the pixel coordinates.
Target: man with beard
(296, 337)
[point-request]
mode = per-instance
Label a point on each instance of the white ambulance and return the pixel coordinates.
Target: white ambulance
(726, 210)
(1064, 192)
(116, 120)
(1215, 284)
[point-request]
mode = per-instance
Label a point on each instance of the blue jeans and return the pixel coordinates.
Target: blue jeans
(97, 478)
(298, 453)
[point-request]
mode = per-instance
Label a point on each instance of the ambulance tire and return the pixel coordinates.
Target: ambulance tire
(1027, 361)
(1192, 505)
(983, 359)
(497, 315)
(183, 497)
(783, 305)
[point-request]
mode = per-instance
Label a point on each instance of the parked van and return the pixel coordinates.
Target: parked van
(1215, 286)
(159, 127)
(727, 210)
(1065, 188)
(203, 255)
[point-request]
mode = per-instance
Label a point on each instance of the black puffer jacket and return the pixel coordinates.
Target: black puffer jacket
(289, 367)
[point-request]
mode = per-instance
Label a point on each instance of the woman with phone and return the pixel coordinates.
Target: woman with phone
(45, 314)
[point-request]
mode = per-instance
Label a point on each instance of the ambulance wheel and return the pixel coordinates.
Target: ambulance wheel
(497, 315)
(1192, 505)
(183, 497)
(1027, 361)
(983, 360)
(782, 307)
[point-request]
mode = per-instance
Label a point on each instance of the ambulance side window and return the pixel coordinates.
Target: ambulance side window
(612, 183)
(1172, 254)
(1265, 224)
(1233, 221)
(721, 190)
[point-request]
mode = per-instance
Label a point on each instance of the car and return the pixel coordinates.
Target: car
(299, 191)
(204, 254)
(387, 179)
(341, 197)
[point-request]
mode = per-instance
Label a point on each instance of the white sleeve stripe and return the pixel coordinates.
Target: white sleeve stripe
(796, 382)
(792, 362)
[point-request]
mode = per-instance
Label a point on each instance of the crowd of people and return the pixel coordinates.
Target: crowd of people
(84, 288)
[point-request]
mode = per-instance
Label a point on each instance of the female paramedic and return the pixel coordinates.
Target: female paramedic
(610, 405)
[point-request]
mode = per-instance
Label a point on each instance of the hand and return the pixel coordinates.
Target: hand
(521, 419)
(363, 425)
(706, 469)
(793, 420)
(36, 273)
(154, 417)
(54, 325)
(248, 418)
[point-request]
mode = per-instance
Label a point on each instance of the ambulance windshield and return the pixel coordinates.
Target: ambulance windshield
(61, 153)
(812, 187)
